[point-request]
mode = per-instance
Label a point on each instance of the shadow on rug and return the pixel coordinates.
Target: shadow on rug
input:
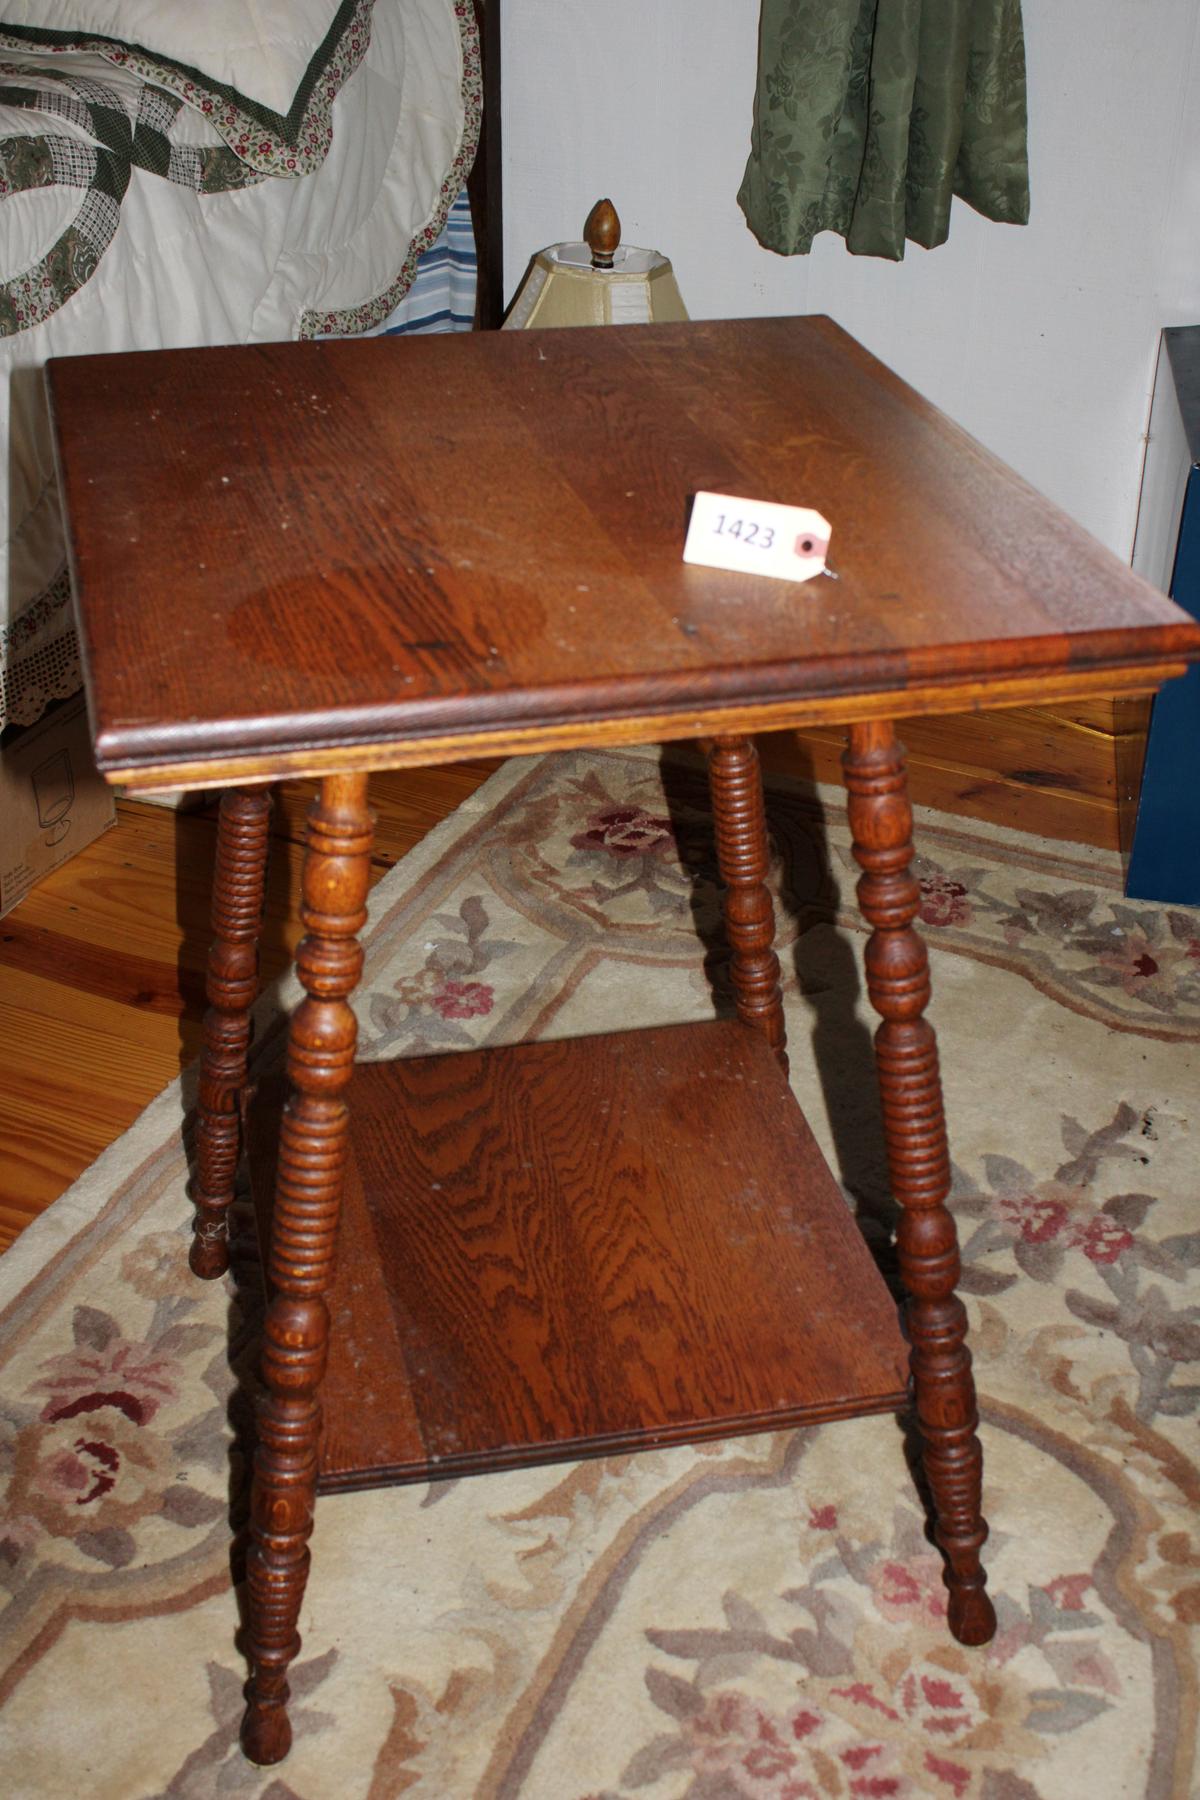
(759, 1620)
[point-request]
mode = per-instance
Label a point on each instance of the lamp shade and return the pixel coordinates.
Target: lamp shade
(596, 283)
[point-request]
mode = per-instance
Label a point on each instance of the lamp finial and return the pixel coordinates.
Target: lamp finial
(602, 233)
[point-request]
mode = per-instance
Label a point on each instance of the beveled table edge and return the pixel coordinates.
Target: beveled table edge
(616, 1443)
(220, 755)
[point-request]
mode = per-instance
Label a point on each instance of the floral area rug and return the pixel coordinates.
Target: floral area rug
(759, 1620)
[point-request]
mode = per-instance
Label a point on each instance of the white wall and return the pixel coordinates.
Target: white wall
(1040, 339)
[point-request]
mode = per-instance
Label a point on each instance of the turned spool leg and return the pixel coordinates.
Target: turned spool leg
(304, 1224)
(232, 987)
(906, 1053)
(735, 781)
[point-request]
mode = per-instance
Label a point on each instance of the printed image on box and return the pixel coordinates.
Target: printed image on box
(52, 800)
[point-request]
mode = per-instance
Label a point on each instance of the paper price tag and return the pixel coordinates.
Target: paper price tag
(756, 537)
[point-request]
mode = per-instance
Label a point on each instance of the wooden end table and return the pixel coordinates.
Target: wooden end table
(327, 559)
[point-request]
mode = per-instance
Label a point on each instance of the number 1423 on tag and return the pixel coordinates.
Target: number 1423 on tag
(756, 537)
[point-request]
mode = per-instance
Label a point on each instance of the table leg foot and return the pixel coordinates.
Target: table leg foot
(312, 1154)
(972, 1615)
(735, 781)
(914, 1125)
(266, 1734)
(208, 1254)
(947, 1422)
(232, 986)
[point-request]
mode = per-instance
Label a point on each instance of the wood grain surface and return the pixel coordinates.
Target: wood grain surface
(326, 555)
(592, 1245)
(747, 908)
(906, 1055)
(102, 970)
(322, 1033)
(1069, 772)
(231, 987)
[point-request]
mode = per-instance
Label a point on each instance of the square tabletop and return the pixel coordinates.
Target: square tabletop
(300, 557)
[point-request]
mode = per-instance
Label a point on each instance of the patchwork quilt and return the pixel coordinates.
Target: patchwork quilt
(174, 175)
(266, 71)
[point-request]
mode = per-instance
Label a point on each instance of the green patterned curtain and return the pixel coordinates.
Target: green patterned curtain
(871, 114)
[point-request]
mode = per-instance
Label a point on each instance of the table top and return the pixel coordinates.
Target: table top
(301, 557)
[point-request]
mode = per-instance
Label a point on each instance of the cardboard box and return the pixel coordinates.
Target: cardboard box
(52, 800)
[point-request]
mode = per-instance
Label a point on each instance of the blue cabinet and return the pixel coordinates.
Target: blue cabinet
(1164, 861)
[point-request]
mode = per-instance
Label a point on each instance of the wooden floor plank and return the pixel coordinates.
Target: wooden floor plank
(1032, 768)
(102, 970)
(101, 965)
(77, 1070)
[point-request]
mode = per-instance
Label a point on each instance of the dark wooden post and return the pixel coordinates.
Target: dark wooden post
(485, 181)
(304, 1225)
(735, 780)
(232, 986)
(906, 1054)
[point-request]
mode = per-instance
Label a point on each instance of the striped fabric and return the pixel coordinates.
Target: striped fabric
(442, 296)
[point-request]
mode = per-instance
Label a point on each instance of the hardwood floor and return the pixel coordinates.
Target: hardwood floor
(1063, 772)
(102, 965)
(102, 970)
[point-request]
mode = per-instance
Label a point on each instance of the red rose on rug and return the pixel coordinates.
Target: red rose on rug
(627, 831)
(98, 1474)
(944, 902)
(463, 1000)
(911, 1591)
(749, 1751)
(134, 1378)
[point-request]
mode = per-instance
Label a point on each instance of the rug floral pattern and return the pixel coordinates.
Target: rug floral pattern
(759, 1620)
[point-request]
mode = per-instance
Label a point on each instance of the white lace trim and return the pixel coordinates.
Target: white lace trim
(30, 683)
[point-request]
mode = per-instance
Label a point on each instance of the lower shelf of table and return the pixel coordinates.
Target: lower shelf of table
(589, 1246)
